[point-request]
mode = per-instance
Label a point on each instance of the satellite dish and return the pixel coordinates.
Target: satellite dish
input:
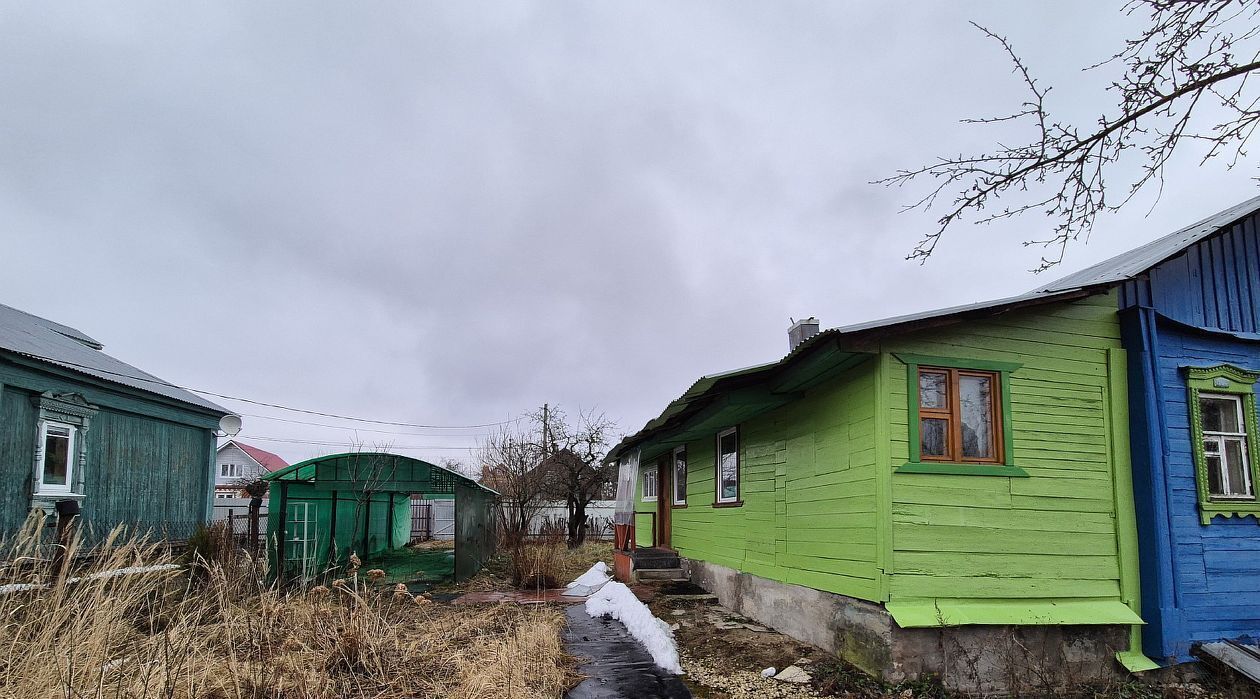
(230, 425)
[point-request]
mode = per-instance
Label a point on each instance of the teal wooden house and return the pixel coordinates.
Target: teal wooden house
(82, 430)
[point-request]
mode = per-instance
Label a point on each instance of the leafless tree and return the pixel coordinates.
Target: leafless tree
(511, 464)
(575, 452)
(1186, 78)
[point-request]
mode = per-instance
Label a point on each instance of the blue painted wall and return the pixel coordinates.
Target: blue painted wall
(1201, 308)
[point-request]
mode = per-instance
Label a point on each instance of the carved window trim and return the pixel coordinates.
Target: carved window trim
(1226, 380)
(69, 410)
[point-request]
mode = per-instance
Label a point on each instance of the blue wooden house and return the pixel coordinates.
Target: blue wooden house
(1190, 322)
(82, 431)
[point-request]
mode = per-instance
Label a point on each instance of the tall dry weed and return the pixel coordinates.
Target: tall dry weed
(224, 633)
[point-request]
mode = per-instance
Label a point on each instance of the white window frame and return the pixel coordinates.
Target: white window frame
(1220, 438)
(229, 467)
(675, 480)
(225, 495)
(655, 482)
(71, 460)
(717, 469)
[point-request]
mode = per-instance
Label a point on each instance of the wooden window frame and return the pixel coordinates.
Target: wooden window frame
(952, 415)
(72, 443)
(1221, 437)
(1003, 461)
(718, 500)
(674, 479)
(1223, 381)
(655, 481)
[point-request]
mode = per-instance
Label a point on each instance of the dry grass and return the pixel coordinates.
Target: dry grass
(224, 633)
(536, 565)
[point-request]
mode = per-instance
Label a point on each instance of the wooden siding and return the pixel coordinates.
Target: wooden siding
(1214, 284)
(141, 468)
(1054, 534)
(808, 483)
(1200, 582)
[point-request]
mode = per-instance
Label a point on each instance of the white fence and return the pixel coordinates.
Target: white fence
(235, 506)
(598, 512)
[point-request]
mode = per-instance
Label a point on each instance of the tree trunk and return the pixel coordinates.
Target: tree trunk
(577, 523)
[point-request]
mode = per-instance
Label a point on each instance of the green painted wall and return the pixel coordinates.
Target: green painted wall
(362, 524)
(1053, 534)
(825, 507)
(148, 462)
(809, 491)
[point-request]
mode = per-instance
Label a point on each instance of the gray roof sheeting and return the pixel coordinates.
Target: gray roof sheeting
(63, 346)
(1129, 264)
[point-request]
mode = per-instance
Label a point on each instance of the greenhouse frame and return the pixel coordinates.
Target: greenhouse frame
(323, 509)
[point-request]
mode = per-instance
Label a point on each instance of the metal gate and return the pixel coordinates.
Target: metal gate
(421, 521)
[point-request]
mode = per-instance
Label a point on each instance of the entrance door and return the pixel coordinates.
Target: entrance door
(664, 498)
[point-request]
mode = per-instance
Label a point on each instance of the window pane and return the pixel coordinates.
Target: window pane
(932, 389)
(932, 436)
(56, 455)
(1214, 474)
(680, 476)
(1236, 466)
(1219, 414)
(729, 468)
(975, 398)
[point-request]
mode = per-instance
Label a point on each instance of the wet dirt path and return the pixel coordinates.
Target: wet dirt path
(615, 665)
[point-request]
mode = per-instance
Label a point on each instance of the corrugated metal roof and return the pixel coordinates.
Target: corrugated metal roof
(1094, 278)
(61, 345)
(1129, 264)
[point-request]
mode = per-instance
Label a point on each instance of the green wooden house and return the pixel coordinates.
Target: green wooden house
(915, 494)
(79, 428)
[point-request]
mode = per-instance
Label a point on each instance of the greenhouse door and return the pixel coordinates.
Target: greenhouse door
(299, 540)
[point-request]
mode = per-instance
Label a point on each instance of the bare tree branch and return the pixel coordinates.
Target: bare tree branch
(1184, 61)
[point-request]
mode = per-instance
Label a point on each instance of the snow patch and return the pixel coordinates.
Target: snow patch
(617, 601)
(596, 576)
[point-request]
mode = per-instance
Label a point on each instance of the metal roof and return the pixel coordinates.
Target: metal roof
(1129, 264)
(43, 340)
(1094, 279)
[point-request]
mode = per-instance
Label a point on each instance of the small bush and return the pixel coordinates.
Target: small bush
(538, 565)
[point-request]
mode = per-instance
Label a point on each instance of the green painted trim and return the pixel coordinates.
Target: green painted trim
(940, 612)
(956, 362)
(882, 386)
(1135, 661)
(964, 469)
(1238, 382)
(1126, 510)
(1004, 369)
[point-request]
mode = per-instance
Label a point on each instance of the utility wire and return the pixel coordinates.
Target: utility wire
(351, 444)
(151, 379)
(365, 429)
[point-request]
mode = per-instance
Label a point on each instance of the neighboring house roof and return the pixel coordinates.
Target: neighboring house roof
(838, 346)
(264, 458)
(60, 345)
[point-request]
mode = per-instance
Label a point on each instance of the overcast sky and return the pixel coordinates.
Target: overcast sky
(449, 213)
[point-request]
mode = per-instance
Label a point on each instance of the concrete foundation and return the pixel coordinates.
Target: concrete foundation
(980, 659)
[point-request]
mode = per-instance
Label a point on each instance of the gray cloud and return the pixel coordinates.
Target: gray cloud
(449, 213)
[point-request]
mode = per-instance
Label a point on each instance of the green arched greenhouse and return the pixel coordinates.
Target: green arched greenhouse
(323, 509)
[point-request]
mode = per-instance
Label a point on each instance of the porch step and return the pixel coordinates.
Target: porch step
(654, 559)
(661, 574)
